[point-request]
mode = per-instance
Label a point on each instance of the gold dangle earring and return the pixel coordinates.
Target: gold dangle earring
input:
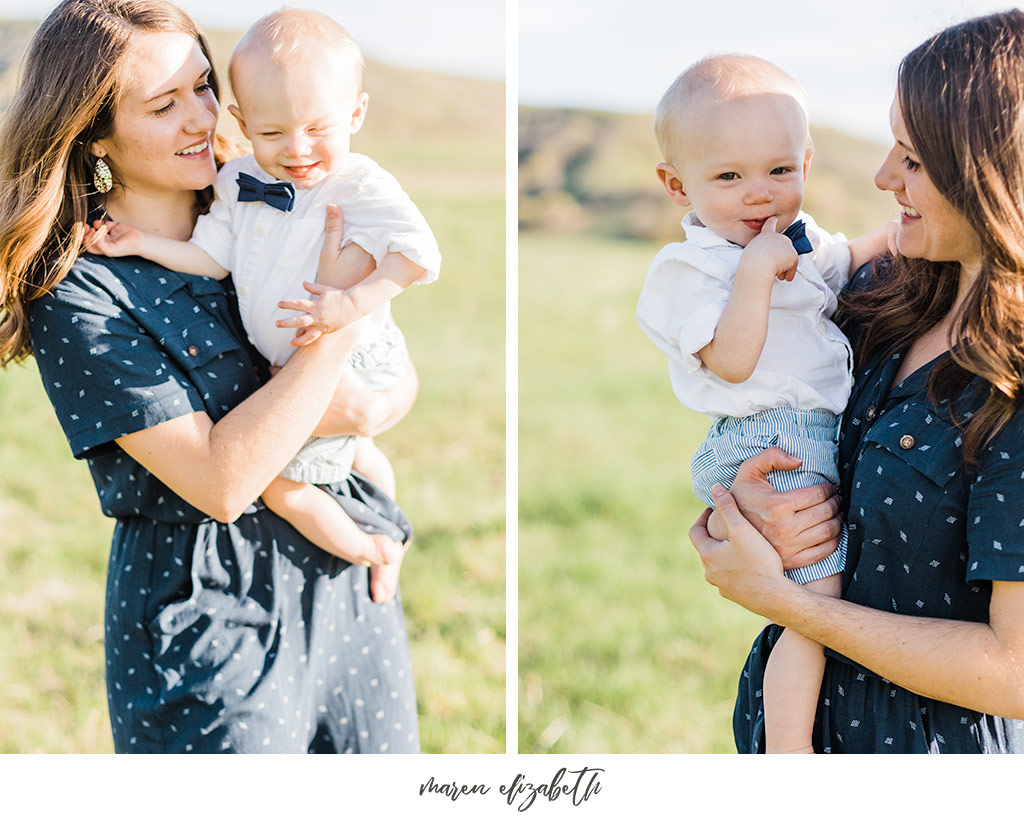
(101, 176)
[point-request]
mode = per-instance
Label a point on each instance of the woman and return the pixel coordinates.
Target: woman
(926, 649)
(225, 630)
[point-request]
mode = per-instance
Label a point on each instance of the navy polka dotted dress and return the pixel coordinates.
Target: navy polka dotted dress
(238, 637)
(926, 538)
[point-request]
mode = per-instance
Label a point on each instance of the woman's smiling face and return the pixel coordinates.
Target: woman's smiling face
(163, 128)
(930, 227)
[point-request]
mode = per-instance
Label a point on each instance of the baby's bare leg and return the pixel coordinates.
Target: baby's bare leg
(792, 683)
(374, 464)
(371, 463)
(319, 518)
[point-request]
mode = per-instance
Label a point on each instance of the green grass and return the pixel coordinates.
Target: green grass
(623, 647)
(448, 455)
(53, 549)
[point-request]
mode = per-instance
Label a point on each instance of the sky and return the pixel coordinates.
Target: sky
(621, 55)
(465, 37)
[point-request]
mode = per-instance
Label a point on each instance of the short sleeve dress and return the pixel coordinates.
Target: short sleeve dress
(239, 637)
(926, 538)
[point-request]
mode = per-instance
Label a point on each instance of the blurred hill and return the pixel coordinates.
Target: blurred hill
(593, 171)
(14, 35)
(417, 117)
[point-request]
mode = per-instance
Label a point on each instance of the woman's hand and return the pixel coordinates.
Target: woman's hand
(744, 566)
(803, 525)
(358, 410)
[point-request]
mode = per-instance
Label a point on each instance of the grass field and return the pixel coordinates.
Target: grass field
(449, 455)
(623, 647)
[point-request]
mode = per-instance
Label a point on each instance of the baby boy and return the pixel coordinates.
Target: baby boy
(297, 77)
(743, 310)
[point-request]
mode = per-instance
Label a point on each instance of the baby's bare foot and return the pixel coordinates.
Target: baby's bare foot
(385, 550)
(384, 582)
(384, 578)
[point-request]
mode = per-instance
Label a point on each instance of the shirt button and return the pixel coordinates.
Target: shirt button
(260, 231)
(906, 442)
(870, 414)
(193, 350)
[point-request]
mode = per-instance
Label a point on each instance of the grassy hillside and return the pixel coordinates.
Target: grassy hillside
(593, 172)
(444, 138)
(623, 646)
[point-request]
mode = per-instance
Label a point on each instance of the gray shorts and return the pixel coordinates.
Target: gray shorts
(322, 460)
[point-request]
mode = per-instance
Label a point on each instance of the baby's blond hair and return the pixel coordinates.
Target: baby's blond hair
(287, 34)
(719, 76)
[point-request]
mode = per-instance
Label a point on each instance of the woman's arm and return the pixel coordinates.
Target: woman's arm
(356, 409)
(222, 468)
(973, 665)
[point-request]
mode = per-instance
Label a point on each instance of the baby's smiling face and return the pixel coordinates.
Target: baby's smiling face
(300, 116)
(746, 159)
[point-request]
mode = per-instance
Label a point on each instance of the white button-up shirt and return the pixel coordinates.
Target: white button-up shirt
(806, 362)
(269, 252)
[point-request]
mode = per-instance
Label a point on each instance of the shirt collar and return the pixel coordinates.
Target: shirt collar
(700, 235)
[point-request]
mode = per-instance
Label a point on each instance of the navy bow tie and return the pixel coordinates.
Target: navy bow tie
(798, 234)
(279, 195)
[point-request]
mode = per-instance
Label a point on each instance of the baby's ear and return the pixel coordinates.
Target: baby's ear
(807, 161)
(237, 113)
(673, 184)
(359, 112)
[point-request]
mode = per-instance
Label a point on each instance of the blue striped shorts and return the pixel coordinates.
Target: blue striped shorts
(809, 434)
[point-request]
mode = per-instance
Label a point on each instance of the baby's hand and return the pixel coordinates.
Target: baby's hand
(770, 253)
(331, 310)
(112, 239)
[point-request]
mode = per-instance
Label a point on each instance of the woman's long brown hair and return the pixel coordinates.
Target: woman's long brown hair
(962, 97)
(70, 88)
